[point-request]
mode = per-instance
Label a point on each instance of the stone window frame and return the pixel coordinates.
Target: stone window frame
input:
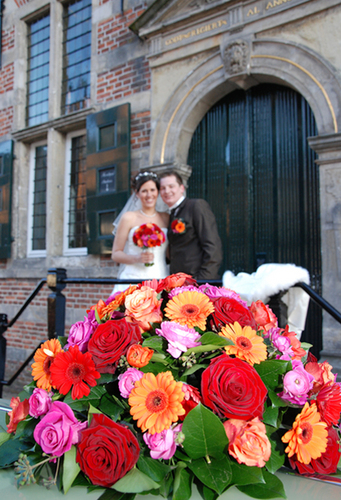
(32, 165)
(67, 251)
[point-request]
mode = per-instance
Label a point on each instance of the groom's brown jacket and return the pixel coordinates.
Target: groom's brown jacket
(197, 251)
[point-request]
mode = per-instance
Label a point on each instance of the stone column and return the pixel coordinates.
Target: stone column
(328, 148)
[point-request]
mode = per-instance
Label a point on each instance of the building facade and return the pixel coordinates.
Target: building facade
(92, 91)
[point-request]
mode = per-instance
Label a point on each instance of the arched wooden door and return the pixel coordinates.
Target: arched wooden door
(252, 163)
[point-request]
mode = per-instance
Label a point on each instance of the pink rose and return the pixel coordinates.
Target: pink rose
(127, 381)
(19, 412)
(179, 337)
(248, 442)
(162, 444)
(80, 334)
(180, 289)
(296, 386)
(40, 402)
(143, 306)
(58, 430)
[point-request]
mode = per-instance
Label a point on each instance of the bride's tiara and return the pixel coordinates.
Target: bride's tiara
(145, 174)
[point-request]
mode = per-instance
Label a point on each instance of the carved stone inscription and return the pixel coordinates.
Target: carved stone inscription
(234, 17)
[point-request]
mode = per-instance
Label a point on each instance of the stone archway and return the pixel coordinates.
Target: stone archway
(261, 60)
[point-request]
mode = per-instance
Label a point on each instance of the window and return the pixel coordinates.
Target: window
(37, 202)
(75, 236)
(37, 109)
(76, 56)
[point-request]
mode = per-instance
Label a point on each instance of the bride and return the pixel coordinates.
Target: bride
(124, 251)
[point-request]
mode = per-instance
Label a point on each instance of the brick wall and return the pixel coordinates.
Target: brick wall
(114, 32)
(8, 39)
(27, 334)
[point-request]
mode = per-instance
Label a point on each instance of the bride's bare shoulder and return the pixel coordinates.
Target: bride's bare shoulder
(129, 218)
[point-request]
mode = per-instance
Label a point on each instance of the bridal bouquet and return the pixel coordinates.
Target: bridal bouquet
(148, 236)
(168, 384)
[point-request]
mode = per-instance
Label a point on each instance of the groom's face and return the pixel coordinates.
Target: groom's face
(170, 190)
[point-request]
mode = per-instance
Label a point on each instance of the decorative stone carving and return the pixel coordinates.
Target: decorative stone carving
(236, 57)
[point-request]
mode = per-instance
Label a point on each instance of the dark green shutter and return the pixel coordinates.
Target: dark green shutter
(6, 161)
(107, 174)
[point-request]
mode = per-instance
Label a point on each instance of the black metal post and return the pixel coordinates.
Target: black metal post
(3, 341)
(56, 303)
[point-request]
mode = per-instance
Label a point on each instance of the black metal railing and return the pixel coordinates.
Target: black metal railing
(57, 280)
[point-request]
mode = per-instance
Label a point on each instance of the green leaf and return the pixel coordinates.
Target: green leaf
(4, 436)
(155, 469)
(277, 457)
(204, 434)
(272, 488)
(71, 468)
(192, 370)
(116, 495)
(110, 407)
(25, 428)
(82, 404)
(9, 452)
(105, 378)
(271, 372)
(135, 481)
(276, 400)
(216, 475)
(210, 338)
(155, 368)
(206, 493)
(182, 487)
(243, 474)
(270, 416)
(155, 343)
(203, 348)
(166, 486)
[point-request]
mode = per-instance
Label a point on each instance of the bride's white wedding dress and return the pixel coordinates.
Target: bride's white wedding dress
(139, 271)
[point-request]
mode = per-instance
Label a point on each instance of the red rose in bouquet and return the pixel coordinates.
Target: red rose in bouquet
(228, 310)
(107, 451)
(233, 389)
(110, 341)
(326, 463)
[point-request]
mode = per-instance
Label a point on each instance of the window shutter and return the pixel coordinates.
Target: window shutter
(6, 160)
(107, 173)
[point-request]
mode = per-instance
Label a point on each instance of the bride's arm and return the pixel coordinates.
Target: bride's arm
(118, 254)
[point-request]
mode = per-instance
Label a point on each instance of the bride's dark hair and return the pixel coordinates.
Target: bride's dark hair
(143, 177)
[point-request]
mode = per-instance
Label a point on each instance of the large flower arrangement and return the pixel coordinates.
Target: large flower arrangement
(170, 383)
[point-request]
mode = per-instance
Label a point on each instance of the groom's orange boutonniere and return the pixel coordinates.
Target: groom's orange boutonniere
(178, 226)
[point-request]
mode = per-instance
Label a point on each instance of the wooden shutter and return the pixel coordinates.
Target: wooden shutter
(107, 173)
(6, 160)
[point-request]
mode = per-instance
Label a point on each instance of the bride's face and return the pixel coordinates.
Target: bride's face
(148, 194)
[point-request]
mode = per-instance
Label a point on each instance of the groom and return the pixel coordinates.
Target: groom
(195, 246)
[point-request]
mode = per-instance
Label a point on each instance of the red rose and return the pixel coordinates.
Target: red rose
(107, 451)
(326, 463)
(110, 341)
(233, 389)
(228, 310)
(174, 281)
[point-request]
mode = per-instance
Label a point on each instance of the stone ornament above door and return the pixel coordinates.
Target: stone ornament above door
(236, 57)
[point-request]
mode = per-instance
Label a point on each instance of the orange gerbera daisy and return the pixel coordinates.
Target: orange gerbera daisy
(156, 401)
(308, 436)
(189, 308)
(247, 344)
(44, 358)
